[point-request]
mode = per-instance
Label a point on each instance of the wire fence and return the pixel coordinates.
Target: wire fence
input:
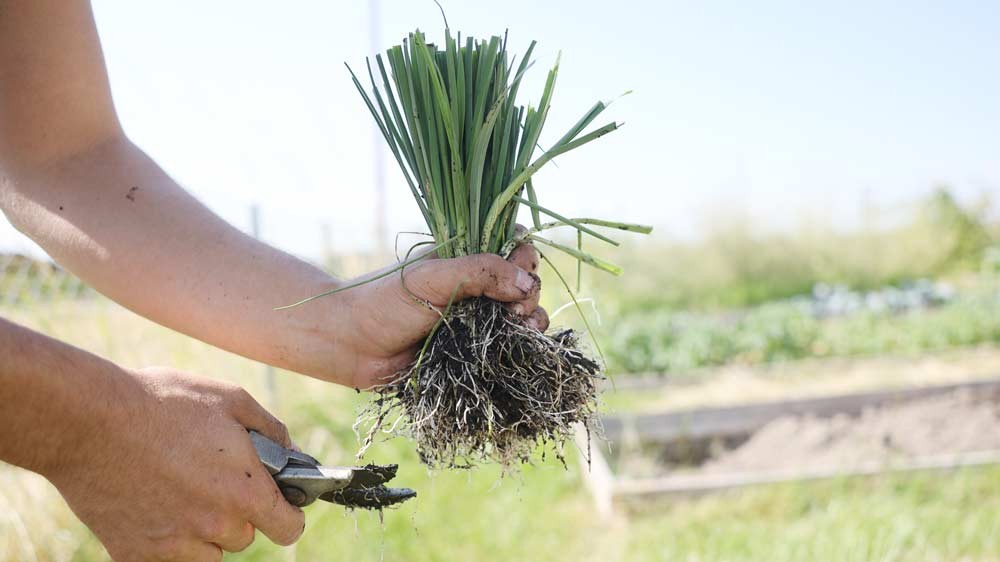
(28, 275)
(25, 280)
(34, 286)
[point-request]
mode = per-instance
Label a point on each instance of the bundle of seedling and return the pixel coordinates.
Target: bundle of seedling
(484, 385)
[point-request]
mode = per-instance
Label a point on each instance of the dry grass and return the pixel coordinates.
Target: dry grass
(544, 514)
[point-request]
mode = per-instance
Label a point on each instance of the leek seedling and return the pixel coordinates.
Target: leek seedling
(485, 385)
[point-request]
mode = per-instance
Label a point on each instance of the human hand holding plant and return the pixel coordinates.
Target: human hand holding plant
(386, 319)
(486, 385)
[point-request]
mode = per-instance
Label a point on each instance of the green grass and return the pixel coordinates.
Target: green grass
(544, 514)
(738, 263)
(915, 517)
(719, 300)
(664, 341)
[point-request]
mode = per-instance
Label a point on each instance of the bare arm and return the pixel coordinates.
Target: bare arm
(119, 445)
(113, 217)
(107, 212)
(51, 394)
(72, 180)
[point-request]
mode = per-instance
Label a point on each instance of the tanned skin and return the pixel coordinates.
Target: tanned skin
(119, 443)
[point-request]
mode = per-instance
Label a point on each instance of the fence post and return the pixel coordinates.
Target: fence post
(270, 380)
(378, 148)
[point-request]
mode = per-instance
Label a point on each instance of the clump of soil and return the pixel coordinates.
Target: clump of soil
(958, 422)
(488, 388)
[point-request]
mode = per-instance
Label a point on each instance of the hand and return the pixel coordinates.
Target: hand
(174, 475)
(385, 324)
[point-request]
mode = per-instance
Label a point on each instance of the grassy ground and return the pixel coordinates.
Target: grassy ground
(666, 342)
(544, 514)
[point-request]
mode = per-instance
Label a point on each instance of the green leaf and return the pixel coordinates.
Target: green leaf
(367, 280)
(624, 226)
(582, 256)
(476, 161)
(536, 220)
(464, 145)
(569, 222)
(579, 309)
(519, 181)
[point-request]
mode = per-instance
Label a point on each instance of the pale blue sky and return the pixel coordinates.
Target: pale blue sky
(775, 107)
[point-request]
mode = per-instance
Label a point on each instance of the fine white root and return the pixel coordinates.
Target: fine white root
(488, 388)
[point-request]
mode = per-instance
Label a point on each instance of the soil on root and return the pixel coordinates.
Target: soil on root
(487, 388)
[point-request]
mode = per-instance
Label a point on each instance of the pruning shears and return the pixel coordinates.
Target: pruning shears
(302, 479)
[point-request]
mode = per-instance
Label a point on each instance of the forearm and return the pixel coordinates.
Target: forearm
(52, 396)
(113, 217)
(119, 445)
(72, 181)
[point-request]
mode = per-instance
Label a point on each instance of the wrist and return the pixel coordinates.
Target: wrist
(314, 340)
(91, 420)
(58, 401)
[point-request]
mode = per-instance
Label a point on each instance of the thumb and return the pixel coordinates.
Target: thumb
(479, 275)
(252, 415)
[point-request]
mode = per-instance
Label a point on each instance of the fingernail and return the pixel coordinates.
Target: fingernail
(525, 281)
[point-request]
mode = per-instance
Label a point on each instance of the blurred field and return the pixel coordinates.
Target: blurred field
(722, 318)
(544, 514)
(741, 293)
(738, 263)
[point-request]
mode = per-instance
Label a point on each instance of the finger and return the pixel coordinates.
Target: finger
(279, 520)
(380, 372)
(202, 552)
(525, 256)
(538, 320)
(247, 411)
(235, 540)
(185, 550)
(525, 307)
(472, 276)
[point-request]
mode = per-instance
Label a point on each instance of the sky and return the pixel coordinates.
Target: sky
(776, 110)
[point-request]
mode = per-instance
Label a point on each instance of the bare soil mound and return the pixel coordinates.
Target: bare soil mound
(953, 423)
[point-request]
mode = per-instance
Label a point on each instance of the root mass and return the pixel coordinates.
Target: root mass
(487, 388)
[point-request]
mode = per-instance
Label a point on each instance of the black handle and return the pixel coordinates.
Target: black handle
(293, 495)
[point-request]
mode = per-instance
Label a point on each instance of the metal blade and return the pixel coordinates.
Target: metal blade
(274, 457)
(373, 475)
(369, 498)
(301, 485)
